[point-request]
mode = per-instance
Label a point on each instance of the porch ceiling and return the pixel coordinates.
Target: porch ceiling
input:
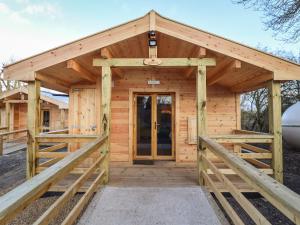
(237, 78)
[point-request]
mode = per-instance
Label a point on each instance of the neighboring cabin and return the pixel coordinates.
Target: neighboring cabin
(13, 109)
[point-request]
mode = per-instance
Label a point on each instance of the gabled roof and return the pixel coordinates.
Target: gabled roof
(23, 90)
(24, 69)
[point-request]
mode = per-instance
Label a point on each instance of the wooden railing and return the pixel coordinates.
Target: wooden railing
(245, 145)
(16, 200)
(7, 134)
(284, 199)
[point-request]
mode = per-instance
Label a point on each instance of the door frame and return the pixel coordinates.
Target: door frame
(175, 94)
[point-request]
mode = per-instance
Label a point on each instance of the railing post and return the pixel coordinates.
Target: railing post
(1, 145)
(201, 117)
(274, 102)
(33, 125)
(105, 117)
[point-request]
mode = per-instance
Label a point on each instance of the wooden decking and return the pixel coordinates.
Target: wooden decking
(161, 174)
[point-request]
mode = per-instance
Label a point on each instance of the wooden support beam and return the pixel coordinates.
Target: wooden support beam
(106, 54)
(54, 83)
(152, 27)
(200, 52)
(201, 117)
(81, 71)
(106, 117)
(160, 62)
(33, 125)
(275, 128)
(15, 101)
(224, 71)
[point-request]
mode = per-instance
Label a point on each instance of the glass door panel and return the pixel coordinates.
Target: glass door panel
(143, 125)
(164, 125)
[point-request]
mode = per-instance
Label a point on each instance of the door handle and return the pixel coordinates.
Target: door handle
(156, 125)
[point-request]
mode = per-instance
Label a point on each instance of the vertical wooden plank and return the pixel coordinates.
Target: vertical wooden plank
(201, 116)
(33, 125)
(106, 116)
(152, 27)
(237, 148)
(275, 128)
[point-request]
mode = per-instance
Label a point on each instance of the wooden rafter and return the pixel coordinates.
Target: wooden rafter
(106, 54)
(223, 71)
(199, 52)
(57, 83)
(81, 71)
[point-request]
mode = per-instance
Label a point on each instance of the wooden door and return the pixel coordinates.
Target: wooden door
(154, 126)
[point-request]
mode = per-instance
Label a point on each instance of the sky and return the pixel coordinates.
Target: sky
(28, 27)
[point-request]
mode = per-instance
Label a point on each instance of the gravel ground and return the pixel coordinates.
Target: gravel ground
(13, 173)
(291, 159)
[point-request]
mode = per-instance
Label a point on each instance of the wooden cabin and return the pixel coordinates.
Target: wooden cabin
(154, 85)
(13, 110)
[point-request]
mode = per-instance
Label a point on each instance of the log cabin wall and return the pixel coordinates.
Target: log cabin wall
(221, 110)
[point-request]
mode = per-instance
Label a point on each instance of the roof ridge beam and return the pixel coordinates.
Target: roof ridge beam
(152, 27)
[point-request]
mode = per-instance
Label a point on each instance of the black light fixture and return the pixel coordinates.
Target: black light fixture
(152, 38)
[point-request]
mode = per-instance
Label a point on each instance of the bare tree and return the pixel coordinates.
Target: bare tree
(281, 16)
(6, 85)
(254, 104)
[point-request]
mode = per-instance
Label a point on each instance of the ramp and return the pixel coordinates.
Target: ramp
(148, 206)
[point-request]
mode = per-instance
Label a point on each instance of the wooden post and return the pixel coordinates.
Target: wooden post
(62, 118)
(275, 128)
(1, 145)
(33, 125)
(201, 117)
(8, 116)
(105, 116)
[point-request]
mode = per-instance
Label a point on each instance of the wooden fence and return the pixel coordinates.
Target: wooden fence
(7, 134)
(284, 199)
(16, 200)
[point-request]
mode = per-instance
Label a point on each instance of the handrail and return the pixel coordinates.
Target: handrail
(20, 197)
(62, 131)
(237, 131)
(284, 199)
(65, 138)
(243, 138)
(13, 132)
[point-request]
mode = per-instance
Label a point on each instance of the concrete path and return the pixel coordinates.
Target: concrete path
(149, 206)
